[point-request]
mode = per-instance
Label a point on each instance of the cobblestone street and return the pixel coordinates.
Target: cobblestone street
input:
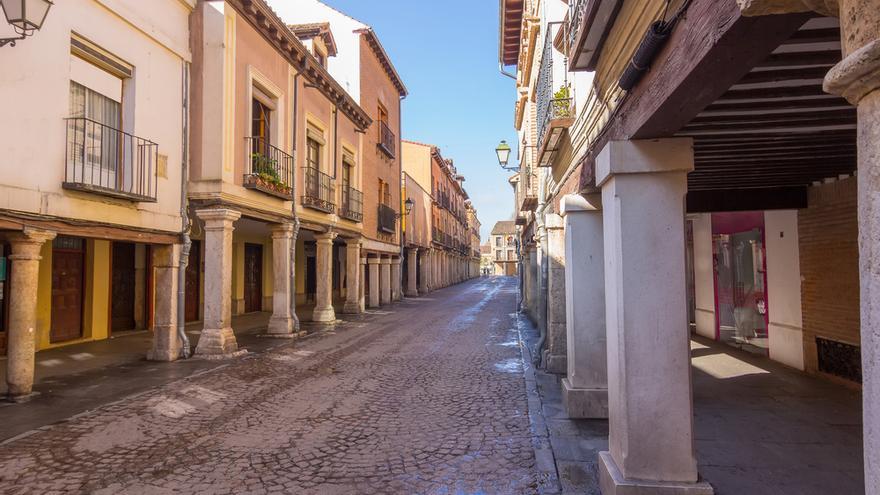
(429, 398)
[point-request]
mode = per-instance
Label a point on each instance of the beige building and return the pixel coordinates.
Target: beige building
(94, 149)
(502, 242)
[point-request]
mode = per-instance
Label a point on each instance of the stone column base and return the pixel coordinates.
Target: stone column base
(411, 293)
(351, 308)
(281, 325)
(324, 316)
(587, 403)
(555, 363)
(612, 482)
(166, 346)
(217, 342)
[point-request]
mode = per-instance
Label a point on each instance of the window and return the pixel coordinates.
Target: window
(100, 131)
(384, 193)
(511, 255)
(497, 241)
(346, 175)
(260, 121)
(321, 58)
(498, 255)
(313, 154)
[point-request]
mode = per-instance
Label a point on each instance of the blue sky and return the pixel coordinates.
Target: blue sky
(447, 54)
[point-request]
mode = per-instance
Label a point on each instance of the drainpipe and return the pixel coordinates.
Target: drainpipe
(185, 240)
(542, 254)
(400, 202)
(504, 72)
(293, 208)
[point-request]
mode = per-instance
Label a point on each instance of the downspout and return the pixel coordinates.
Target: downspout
(401, 199)
(504, 72)
(293, 127)
(542, 288)
(186, 242)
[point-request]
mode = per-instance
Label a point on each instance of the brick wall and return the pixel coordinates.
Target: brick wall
(829, 257)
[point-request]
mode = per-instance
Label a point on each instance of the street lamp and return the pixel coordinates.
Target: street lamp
(407, 206)
(25, 16)
(503, 153)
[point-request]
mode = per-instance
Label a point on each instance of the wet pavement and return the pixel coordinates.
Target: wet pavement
(428, 396)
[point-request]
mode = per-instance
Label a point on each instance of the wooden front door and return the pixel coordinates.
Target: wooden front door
(253, 278)
(311, 279)
(193, 281)
(122, 287)
(68, 266)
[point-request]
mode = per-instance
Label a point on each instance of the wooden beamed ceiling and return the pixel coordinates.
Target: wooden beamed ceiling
(776, 127)
(511, 31)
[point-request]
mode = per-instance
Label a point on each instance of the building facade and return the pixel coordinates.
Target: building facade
(502, 242)
(706, 194)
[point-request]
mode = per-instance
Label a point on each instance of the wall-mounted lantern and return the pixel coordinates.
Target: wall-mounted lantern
(25, 16)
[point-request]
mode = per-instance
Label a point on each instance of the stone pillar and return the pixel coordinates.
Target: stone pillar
(353, 276)
(282, 322)
(424, 288)
(412, 267)
(385, 280)
(555, 353)
(362, 286)
(166, 264)
(649, 377)
(533, 283)
(21, 335)
(324, 312)
(585, 388)
(217, 338)
(396, 294)
(373, 263)
(857, 78)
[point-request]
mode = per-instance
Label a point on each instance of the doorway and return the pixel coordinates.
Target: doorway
(253, 278)
(193, 282)
(122, 287)
(68, 281)
(311, 279)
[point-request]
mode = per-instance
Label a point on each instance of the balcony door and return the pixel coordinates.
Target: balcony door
(96, 138)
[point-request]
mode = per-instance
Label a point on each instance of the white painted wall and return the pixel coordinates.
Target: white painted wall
(34, 95)
(345, 67)
(704, 275)
(784, 288)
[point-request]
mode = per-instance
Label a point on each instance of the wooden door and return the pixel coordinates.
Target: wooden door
(5, 273)
(68, 263)
(311, 279)
(253, 278)
(122, 287)
(193, 281)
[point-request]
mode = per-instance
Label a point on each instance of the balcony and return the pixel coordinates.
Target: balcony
(387, 219)
(268, 169)
(318, 194)
(110, 162)
(352, 207)
(528, 197)
(386, 139)
(589, 22)
(556, 110)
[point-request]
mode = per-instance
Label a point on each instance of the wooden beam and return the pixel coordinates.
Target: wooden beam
(771, 125)
(823, 35)
(775, 92)
(789, 59)
(777, 117)
(776, 75)
(775, 198)
(761, 106)
(774, 137)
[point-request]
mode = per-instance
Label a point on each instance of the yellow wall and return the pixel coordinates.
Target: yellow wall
(417, 163)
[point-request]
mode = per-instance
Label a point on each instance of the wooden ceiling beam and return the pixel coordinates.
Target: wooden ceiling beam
(789, 59)
(778, 117)
(758, 106)
(772, 125)
(777, 75)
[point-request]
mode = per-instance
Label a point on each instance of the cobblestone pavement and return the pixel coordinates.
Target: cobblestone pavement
(428, 397)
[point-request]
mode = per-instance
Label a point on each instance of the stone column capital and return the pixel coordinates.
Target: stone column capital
(363, 261)
(27, 243)
(385, 260)
(552, 221)
(578, 203)
(354, 242)
(282, 230)
(856, 75)
(218, 218)
(374, 261)
(395, 261)
(644, 156)
(325, 238)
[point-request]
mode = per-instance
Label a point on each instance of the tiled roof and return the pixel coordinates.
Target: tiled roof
(504, 227)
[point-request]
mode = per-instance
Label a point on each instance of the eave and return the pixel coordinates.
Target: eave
(590, 31)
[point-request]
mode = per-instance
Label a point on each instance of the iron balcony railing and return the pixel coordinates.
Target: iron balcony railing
(318, 193)
(387, 219)
(352, 206)
(553, 98)
(386, 139)
(576, 10)
(268, 169)
(108, 161)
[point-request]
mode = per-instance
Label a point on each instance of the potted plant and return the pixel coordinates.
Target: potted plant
(562, 103)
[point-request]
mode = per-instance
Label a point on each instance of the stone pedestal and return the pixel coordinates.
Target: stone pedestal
(396, 294)
(412, 277)
(282, 321)
(217, 338)
(649, 378)
(352, 276)
(555, 353)
(21, 335)
(585, 388)
(324, 312)
(166, 266)
(385, 280)
(424, 286)
(373, 265)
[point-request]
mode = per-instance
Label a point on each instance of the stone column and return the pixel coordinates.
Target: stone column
(412, 267)
(217, 337)
(166, 264)
(585, 388)
(649, 378)
(396, 294)
(373, 263)
(424, 287)
(555, 353)
(857, 78)
(21, 335)
(324, 312)
(282, 322)
(352, 275)
(362, 302)
(385, 280)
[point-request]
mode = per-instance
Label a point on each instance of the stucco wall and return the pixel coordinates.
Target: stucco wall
(784, 287)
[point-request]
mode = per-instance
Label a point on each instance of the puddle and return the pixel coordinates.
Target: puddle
(509, 366)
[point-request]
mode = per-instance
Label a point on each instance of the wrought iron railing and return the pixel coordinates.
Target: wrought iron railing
(268, 169)
(576, 10)
(553, 98)
(108, 161)
(318, 193)
(386, 139)
(387, 219)
(352, 206)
